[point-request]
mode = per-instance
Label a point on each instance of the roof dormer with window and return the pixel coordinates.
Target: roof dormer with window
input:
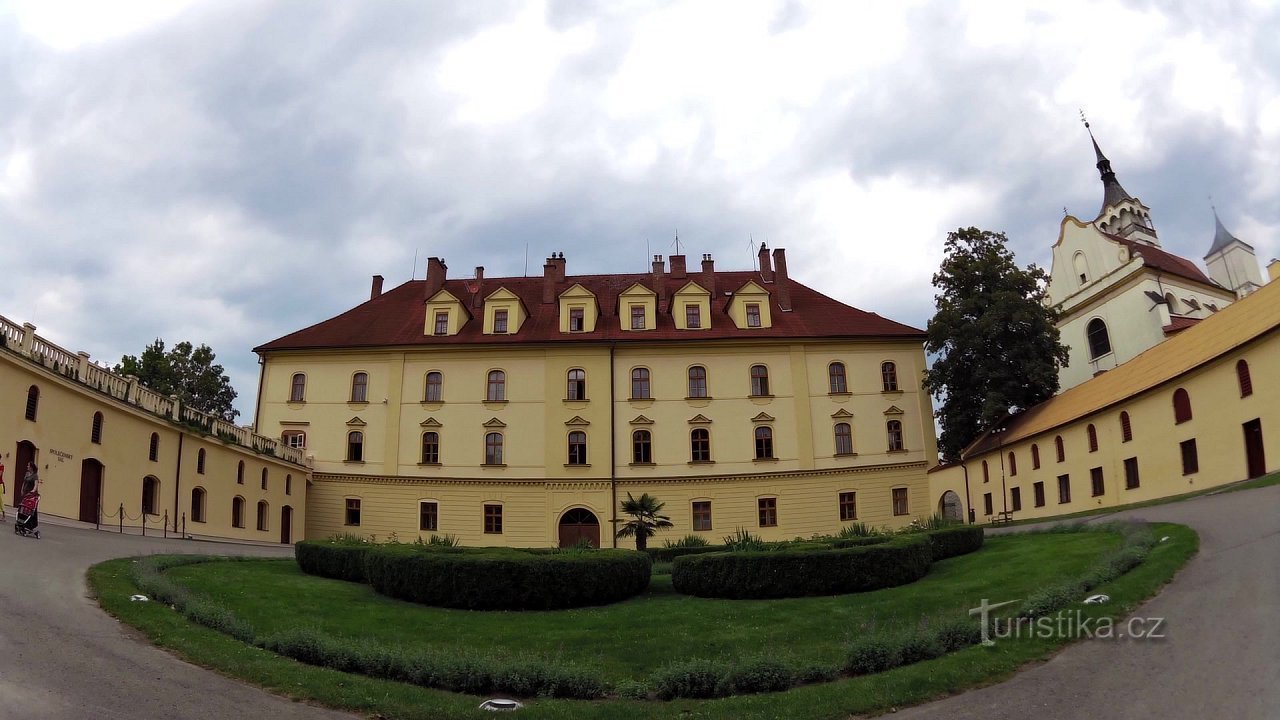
(749, 308)
(638, 308)
(503, 313)
(691, 307)
(579, 310)
(446, 315)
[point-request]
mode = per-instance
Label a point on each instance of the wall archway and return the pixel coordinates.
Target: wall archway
(950, 506)
(578, 523)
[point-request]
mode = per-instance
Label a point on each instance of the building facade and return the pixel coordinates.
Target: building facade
(522, 411)
(109, 451)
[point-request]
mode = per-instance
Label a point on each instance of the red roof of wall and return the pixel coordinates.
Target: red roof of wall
(398, 317)
(1154, 257)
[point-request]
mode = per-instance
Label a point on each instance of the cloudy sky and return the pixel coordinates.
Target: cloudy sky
(231, 171)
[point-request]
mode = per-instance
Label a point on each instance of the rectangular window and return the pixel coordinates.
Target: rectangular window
(1190, 460)
(353, 511)
(900, 501)
(637, 317)
(848, 506)
(442, 322)
(1131, 480)
(493, 519)
(1015, 499)
(768, 512)
(1095, 480)
(692, 316)
(702, 515)
(428, 516)
(1037, 490)
(500, 322)
(294, 439)
(1064, 489)
(753, 315)
(986, 504)
(577, 319)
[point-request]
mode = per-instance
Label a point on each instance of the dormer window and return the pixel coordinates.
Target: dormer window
(637, 317)
(753, 315)
(500, 322)
(577, 319)
(442, 322)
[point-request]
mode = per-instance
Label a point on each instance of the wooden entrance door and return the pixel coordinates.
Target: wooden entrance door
(577, 524)
(90, 490)
(1253, 450)
(26, 453)
(286, 524)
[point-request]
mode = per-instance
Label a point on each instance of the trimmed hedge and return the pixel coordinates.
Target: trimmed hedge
(841, 543)
(797, 573)
(953, 541)
(339, 560)
(667, 554)
(508, 579)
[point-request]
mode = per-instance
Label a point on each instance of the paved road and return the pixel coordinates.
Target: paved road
(61, 658)
(1221, 654)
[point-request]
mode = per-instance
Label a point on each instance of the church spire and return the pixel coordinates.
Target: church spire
(1221, 236)
(1112, 193)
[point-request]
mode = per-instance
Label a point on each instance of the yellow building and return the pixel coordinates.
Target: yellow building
(1189, 413)
(519, 411)
(110, 451)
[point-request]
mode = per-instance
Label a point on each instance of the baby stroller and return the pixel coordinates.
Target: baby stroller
(28, 524)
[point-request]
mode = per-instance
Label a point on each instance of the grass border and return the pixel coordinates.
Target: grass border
(912, 684)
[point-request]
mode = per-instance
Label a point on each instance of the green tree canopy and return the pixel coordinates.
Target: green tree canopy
(186, 371)
(996, 340)
(645, 520)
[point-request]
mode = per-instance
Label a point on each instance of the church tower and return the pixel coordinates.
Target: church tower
(1122, 214)
(1231, 261)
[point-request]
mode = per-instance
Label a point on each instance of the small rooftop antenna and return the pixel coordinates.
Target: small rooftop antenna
(646, 253)
(414, 275)
(526, 259)
(677, 241)
(751, 249)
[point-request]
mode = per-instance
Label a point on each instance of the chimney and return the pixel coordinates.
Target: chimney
(766, 271)
(659, 284)
(436, 271)
(784, 286)
(377, 287)
(549, 281)
(478, 298)
(559, 261)
(709, 270)
(677, 267)
(1273, 269)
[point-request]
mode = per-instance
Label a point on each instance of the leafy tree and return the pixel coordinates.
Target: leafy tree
(996, 339)
(186, 371)
(645, 519)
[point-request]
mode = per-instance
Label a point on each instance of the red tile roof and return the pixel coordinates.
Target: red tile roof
(1177, 324)
(1163, 261)
(398, 317)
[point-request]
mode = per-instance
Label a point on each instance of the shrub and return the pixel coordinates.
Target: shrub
(796, 573)
(632, 690)
(742, 539)
(337, 559)
(857, 530)
(687, 541)
(696, 678)
(503, 579)
(952, 541)
(872, 654)
(756, 676)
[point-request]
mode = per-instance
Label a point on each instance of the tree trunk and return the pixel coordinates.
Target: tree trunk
(642, 540)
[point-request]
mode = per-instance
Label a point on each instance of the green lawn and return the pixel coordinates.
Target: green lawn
(658, 623)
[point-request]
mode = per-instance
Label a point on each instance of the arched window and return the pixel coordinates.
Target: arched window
(360, 387)
(1246, 382)
(264, 478)
(431, 448)
(1082, 267)
(150, 494)
(496, 388)
(288, 484)
(1181, 406)
(577, 448)
(1172, 302)
(197, 504)
(986, 472)
(697, 382)
(434, 391)
(355, 446)
(837, 380)
(1126, 429)
(1013, 464)
(640, 384)
(493, 448)
(844, 439)
(641, 447)
(577, 389)
(1062, 451)
(1099, 340)
(240, 473)
(237, 512)
(298, 388)
(262, 515)
(95, 433)
(1035, 456)
(200, 456)
(1092, 432)
(700, 445)
(759, 380)
(764, 443)
(889, 376)
(153, 450)
(33, 402)
(894, 430)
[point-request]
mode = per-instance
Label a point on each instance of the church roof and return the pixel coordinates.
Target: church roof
(398, 317)
(1161, 260)
(1221, 237)
(1219, 334)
